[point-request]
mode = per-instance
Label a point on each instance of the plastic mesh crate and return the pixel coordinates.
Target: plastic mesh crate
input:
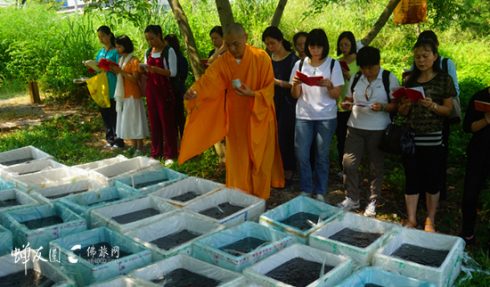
(99, 254)
(14, 198)
(298, 206)
(151, 180)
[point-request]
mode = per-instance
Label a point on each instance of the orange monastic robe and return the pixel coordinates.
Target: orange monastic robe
(253, 160)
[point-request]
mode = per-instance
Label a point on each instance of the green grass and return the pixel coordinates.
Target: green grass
(12, 88)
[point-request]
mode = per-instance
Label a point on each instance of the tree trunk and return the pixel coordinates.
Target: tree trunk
(34, 92)
(383, 18)
(186, 31)
(278, 13)
(225, 13)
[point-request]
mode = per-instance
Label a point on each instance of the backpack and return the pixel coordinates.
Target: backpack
(455, 116)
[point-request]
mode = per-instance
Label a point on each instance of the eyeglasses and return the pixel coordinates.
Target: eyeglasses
(368, 93)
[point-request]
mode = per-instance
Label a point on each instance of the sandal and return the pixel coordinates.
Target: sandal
(410, 224)
(429, 226)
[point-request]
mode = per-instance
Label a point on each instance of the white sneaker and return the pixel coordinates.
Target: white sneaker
(169, 162)
(370, 210)
(348, 204)
(320, 197)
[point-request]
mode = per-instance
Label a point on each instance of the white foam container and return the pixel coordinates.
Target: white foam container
(363, 256)
(444, 275)
(151, 180)
(123, 281)
(23, 198)
(30, 167)
(173, 222)
(343, 266)
(158, 269)
(253, 206)
(133, 165)
(102, 163)
(103, 216)
(198, 185)
(23, 155)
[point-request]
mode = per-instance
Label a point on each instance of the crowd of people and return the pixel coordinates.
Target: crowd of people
(280, 107)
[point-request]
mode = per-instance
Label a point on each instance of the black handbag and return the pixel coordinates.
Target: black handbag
(398, 139)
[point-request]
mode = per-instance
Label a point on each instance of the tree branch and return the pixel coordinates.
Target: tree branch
(276, 19)
(383, 18)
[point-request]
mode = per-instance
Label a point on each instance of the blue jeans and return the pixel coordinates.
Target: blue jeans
(306, 131)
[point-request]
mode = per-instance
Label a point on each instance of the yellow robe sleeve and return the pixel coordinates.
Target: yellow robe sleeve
(204, 125)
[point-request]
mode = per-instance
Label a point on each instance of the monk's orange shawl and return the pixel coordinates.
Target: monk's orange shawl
(253, 161)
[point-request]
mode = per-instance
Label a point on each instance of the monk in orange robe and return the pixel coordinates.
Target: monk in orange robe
(234, 99)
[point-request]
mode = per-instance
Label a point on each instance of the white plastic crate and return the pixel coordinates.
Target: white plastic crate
(273, 217)
(380, 277)
(362, 255)
(21, 155)
(209, 248)
(252, 206)
(123, 281)
(148, 181)
(158, 270)
(343, 266)
(104, 216)
(123, 168)
(444, 275)
(21, 198)
(197, 185)
(30, 167)
(9, 267)
(175, 221)
(102, 163)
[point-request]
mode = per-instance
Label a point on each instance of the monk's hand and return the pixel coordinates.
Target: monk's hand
(244, 90)
(190, 95)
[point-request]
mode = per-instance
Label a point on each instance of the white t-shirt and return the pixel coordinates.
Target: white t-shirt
(315, 103)
(172, 61)
(365, 94)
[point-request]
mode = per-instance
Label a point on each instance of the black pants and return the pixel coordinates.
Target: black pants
(446, 131)
(109, 116)
(477, 173)
(422, 170)
(341, 133)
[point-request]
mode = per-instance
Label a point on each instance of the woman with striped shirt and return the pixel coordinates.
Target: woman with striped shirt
(426, 117)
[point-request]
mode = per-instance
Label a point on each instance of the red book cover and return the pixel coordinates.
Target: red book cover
(344, 65)
(482, 106)
(414, 94)
(105, 64)
(310, 81)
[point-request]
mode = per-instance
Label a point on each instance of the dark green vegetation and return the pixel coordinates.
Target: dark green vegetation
(36, 43)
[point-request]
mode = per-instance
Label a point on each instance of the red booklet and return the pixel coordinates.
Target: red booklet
(414, 94)
(344, 65)
(482, 106)
(310, 81)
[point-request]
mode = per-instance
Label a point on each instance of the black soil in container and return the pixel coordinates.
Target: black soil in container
(184, 278)
(16, 161)
(9, 202)
(175, 239)
(372, 285)
(355, 238)
(60, 195)
(300, 220)
(29, 172)
(185, 197)
(421, 255)
(20, 279)
(223, 210)
(103, 201)
(149, 183)
(298, 272)
(43, 222)
(135, 216)
(242, 246)
(100, 253)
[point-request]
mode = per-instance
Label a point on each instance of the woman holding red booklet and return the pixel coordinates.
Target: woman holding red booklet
(477, 122)
(426, 118)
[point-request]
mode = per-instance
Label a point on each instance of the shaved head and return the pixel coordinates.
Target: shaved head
(235, 40)
(235, 29)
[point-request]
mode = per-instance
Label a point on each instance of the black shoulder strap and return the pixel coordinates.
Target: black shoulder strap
(301, 64)
(386, 83)
(148, 52)
(445, 65)
(357, 76)
(332, 63)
